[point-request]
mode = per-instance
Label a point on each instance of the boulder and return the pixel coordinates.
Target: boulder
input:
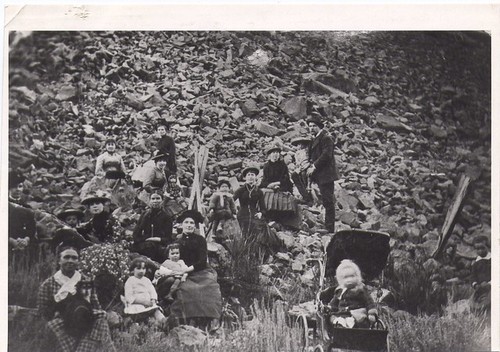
(295, 108)
(266, 129)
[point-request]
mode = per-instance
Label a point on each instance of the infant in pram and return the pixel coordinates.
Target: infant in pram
(351, 305)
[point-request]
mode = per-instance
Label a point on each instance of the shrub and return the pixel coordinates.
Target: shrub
(451, 332)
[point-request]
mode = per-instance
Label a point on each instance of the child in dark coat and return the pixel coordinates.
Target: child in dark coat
(351, 304)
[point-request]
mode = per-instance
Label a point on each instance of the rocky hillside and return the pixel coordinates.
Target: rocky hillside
(410, 112)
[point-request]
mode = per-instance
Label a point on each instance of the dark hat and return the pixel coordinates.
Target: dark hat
(67, 212)
(159, 156)
(15, 178)
(272, 148)
(193, 214)
(223, 181)
(94, 198)
(316, 119)
(300, 140)
(248, 169)
(69, 238)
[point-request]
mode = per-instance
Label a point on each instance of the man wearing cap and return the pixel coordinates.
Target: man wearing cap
(323, 170)
(166, 146)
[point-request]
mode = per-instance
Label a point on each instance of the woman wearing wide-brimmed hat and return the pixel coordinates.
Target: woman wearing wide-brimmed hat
(302, 163)
(110, 164)
(251, 200)
(157, 176)
(198, 300)
(280, 204)
(102, 227)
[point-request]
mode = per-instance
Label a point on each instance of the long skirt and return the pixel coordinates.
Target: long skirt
(198, 297)
(282, 208)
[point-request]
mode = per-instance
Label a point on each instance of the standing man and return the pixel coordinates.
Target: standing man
(166, 146)
(323, 170)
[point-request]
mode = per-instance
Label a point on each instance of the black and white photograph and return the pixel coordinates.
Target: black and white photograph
(249, 188)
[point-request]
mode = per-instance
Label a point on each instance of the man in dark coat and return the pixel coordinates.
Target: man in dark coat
(166, 145)
(22, 224)
(153, 232)
(323, 170)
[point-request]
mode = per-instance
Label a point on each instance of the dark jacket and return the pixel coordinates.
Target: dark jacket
(99, 229)
(154, 223)
(277, 171)
(166, 145)
(351, 299)
(321, 154)
(21, 222)
(193, 250)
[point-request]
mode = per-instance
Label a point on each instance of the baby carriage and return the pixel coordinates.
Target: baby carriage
(369, 250)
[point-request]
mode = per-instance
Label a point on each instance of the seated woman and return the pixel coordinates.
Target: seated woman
(153, 232)
(110, 164)
(351, 304)
(157, 176)
(198, 300)
(281, 206)
(166, 146)
(102, 227)
(72, 310)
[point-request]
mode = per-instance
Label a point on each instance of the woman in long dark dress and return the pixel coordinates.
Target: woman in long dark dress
(198, 300)
(251, 200)
(279, 202)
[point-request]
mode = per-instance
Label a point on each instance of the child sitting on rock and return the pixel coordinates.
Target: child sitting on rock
(140, 294)
(221, 206)
(351, 304)
(169, 270)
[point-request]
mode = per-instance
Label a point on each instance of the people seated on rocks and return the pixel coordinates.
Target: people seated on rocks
(103, 227)
(166, 146)
(69, 304)
(251, 200)
(140, 297)
(351, 304)
(171, 269)
(302, 163)
(221, 207)
(110, 164)
(153, 232)
(481, 275)
(198, 300)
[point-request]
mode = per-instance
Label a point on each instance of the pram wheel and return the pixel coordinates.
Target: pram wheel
(318, 348)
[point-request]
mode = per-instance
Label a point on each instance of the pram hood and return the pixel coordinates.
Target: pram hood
(368, 249)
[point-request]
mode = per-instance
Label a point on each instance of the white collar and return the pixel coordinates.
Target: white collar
(488, 257)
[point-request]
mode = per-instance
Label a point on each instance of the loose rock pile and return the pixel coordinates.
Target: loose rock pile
(410, 113)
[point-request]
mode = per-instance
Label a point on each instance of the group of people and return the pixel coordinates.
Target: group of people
(184, 280)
